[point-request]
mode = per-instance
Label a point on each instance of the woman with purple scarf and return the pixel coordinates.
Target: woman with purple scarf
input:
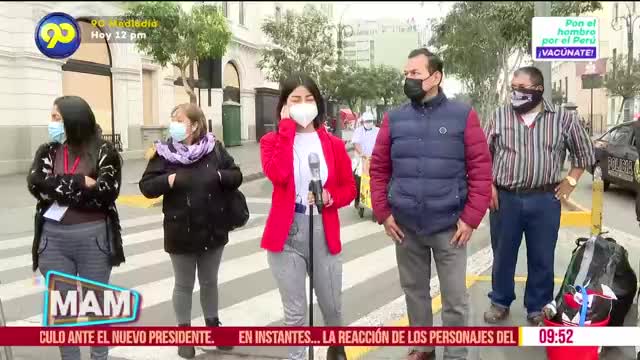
(193, 177)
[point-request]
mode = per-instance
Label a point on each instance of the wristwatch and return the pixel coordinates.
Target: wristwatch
(573, 182)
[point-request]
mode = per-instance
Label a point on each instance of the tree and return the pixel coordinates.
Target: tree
(389, 83)
(472, 50)
(301, 43)
(181, 38)
(557, 97)
(478, 40)
(623, 81)
(463, 97)
(627, 21)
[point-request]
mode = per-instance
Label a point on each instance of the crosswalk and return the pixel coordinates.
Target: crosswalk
(248, 295)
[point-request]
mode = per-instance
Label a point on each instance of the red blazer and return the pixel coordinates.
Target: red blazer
(276, 152)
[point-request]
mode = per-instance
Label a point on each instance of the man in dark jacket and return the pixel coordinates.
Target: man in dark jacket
(430, 187)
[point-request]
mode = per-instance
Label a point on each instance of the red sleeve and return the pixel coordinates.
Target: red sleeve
(478, 163)
(346, 190)
(276, 153)
(380, 172)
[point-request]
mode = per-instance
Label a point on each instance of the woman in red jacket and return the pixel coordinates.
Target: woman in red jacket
(284, 156)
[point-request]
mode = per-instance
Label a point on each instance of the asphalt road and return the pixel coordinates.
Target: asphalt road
(248, 295)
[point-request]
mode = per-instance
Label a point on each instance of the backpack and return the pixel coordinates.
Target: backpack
(602, 261)
(236, 211)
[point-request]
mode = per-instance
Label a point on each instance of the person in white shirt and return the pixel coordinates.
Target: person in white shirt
(364, 139)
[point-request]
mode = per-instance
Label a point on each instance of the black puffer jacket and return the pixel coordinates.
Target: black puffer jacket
(193, 208)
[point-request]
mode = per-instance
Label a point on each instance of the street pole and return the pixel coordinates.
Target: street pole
(338, 129)
(629, 20)
(543, 8)
(591, 113)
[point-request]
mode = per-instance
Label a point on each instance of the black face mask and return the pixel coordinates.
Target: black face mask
(413, 89)
(524, 100)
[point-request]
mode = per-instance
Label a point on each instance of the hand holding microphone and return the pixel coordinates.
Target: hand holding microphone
(317, 195)
(326, 198)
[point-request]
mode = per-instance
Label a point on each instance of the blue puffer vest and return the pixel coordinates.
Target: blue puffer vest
(428, 187)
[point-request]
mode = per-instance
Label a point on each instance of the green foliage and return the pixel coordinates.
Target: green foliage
(181, 38)
(624, 81)
(557, 97)
(463, 97)
(302, 43)
(619, 82)
(360, 86)
(477, 39)
(514, 18)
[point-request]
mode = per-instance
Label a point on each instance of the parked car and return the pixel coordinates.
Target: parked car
(616, 155)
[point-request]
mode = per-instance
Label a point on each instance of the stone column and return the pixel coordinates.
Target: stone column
(248, 117)
(127, 109)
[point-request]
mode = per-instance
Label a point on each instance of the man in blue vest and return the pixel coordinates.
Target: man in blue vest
(430, 187)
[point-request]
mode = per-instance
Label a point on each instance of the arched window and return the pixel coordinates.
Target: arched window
(231, 83)
(88, 74)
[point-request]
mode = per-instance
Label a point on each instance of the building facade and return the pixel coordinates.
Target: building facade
(131, 96)
(381, 42)
(567, 76)
(618, 46)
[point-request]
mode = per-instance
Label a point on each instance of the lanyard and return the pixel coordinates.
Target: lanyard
(76, 162)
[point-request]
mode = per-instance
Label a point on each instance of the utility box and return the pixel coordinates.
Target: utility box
(266, 111)
(231, 125)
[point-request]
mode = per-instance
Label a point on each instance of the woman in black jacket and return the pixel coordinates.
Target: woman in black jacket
(193, 172)
(76, 183)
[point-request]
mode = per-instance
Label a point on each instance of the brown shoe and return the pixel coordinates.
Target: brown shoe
(421, 355)
(495, 314)
(536, 320)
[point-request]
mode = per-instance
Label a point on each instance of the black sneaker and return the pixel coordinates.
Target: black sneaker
(215, 322)
(186, 352)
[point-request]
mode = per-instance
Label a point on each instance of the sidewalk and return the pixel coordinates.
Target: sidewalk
(247, 157)
(16, 198)
(14, 187)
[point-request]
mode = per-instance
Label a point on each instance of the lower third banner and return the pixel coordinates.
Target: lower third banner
(257, 336)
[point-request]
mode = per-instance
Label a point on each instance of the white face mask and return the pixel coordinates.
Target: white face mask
(304, 114)
(368, 125)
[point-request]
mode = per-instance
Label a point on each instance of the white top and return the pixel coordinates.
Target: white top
(303, 145)
(366, 139)
(530, 117)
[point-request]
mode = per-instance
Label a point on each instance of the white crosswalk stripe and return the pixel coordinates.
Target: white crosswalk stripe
(370, 256)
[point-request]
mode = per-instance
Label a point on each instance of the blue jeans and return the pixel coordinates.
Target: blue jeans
(537, 215)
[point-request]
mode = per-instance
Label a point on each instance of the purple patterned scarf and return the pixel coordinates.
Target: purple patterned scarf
(178, 153)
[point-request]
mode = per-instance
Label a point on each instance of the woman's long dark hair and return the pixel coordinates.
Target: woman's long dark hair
(290, 84)
(80, 126)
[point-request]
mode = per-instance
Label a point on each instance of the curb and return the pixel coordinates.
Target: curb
(140, 201)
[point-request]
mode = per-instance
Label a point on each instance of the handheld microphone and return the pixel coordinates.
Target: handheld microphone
(315, 186)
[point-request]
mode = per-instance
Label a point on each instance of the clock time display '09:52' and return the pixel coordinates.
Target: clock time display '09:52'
(556, 336)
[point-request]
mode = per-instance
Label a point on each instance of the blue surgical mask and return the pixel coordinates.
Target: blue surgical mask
(178, 131)
(56, 131)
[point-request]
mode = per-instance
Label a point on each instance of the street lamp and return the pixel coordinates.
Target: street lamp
(629, 20)
(343, 31)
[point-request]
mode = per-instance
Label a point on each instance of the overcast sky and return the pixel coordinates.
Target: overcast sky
(371, 10)
(420, 11)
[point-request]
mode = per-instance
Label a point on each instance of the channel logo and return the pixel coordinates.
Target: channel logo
(87, 302)
(57, 35)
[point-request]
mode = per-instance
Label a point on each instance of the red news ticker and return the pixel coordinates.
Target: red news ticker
(258, 336)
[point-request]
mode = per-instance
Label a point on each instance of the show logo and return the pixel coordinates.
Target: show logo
(75, 301)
